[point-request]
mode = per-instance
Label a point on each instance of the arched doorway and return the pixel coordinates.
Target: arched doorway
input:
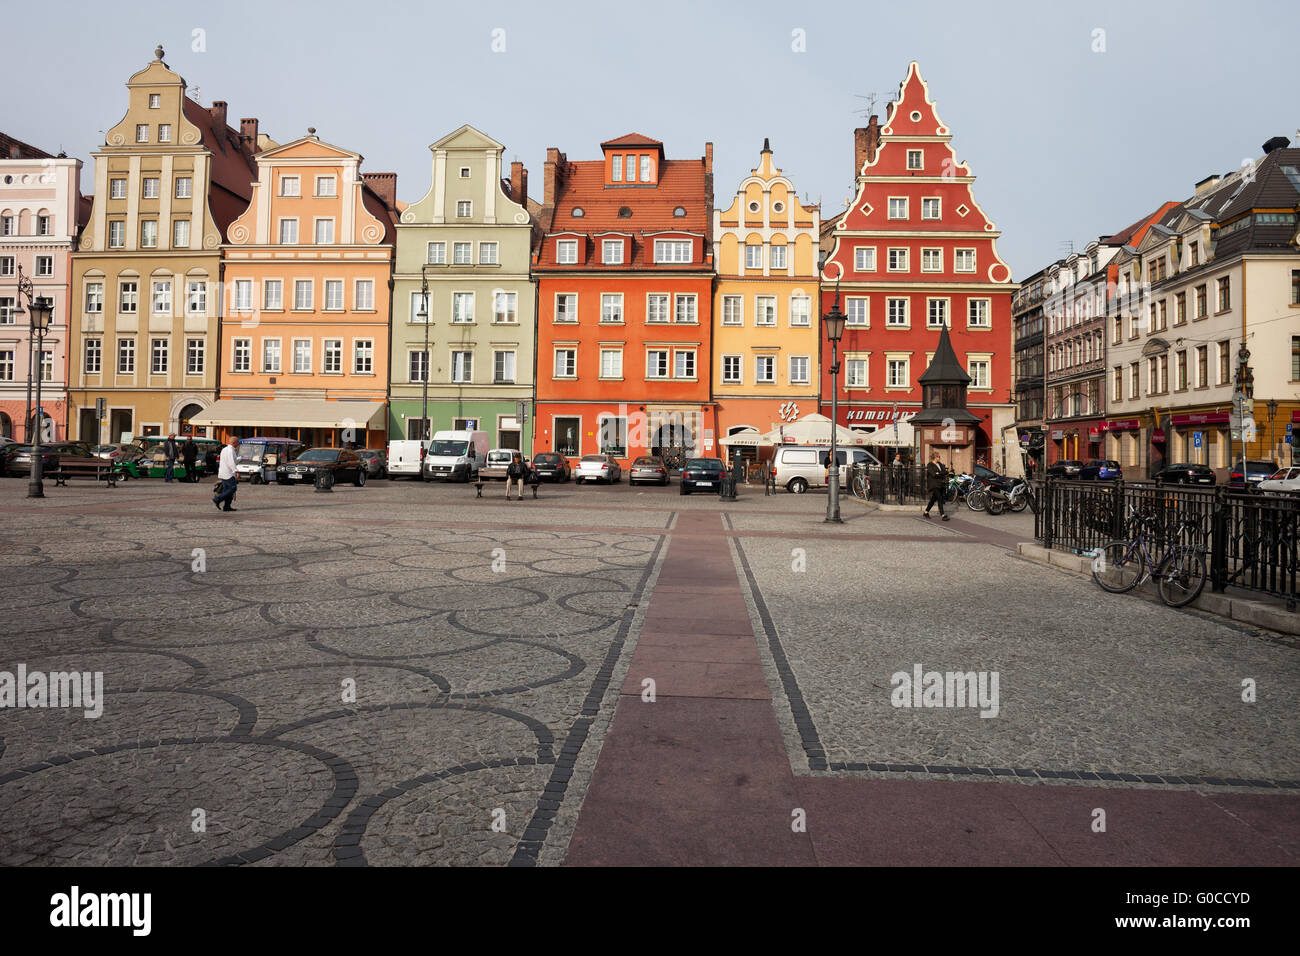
(6, 426)
(674, 442)
(187, 413)
(46, 424)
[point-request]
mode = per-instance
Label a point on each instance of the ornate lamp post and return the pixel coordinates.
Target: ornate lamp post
(834, 323)
(423, 316)
(40, 313)
(1272, 435)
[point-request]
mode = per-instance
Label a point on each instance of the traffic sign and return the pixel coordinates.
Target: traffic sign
(1197, 438)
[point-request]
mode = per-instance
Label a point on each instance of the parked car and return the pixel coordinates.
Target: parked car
(18, 461)
(498, 460)
(263, 459)
(1249, 477)
(346, 465)
(598, 468)
(797, 468)
(648, 468)
(551, 466)
(1065, 468)
(702, 474)
(1284, 479)
(1101, 469)
(376, 461)
(1184, 473)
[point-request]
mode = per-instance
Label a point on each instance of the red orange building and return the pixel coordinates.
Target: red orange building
(625, 276)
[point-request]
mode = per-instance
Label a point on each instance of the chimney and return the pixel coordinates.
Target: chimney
(218, 111)
(1208, 183)
(248, 133)
(1277, 142)
(708, 201)
(551, 174)
(384, 185)
(866, 140)
(519, 183)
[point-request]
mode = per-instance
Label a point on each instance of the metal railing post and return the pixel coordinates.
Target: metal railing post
(1219, 540)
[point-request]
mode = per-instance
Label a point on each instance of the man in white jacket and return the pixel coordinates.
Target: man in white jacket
(229, 479)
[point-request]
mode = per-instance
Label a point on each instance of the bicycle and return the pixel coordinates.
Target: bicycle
(1119, 566)
(860, 484)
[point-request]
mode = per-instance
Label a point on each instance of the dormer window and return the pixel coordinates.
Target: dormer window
(616, 168)
(578, 212)
(155, 101)
(566, 252)
(646, 171)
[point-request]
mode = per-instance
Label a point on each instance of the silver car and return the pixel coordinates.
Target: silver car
(598, 468)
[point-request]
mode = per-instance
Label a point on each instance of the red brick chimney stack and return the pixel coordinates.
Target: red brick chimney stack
(519, 183)
(384, 185)
(866, 140)
(218, 111)
(248, 133)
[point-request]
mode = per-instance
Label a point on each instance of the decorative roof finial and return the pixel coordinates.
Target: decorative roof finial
(767, 147)
(158, 52)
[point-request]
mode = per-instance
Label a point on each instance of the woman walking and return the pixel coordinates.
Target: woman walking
(936, 482)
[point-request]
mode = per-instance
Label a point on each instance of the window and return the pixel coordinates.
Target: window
(464, 209)
(42, 225)
(126, 356)
(158, 356)
(1200, 301)
(685, 363)
(164, 132)
(333, 295)
(46, 365)
(162, 298)
(505, 307)
(855, 373)
(324, 232)
(613, 434)
(1195, 251)
(1225, 293)
(864, 259)
(1180, 382)
(777, 255)
(612, 252)
(1202, 366)
(150, 187)
(288, 232)
(1134, 385)
(8, 225)
(931, 260)
(116, 234)
(462, 307)
(303, 293)
(753, 257)
(196, 297)
(184, 187)
(128, 297)
(1295, 359)
(417, 366)
(765, 310)
(611, 307)
(181, 234)
(7, 365)
(733, 310)
(566, 307)
(302, 356)
(273, 294)
(45, 266)
(142, 133)
(765, 370)
(963, 260)
(645, 169)
(117, 189)
(566, 363)
(290, 186)
(656, 363)
(672, 250)
(731, 370)
(325, 187)
(855, 311)
(930, 209)
(896, 314)
(462, 253)
(656, 308)
(487, 253)
(270, 355)
(503, 367)
(800, 311)
(799, 369)
(1118, 335)
(94, 356)
(937, 313)
(94, 297)
(437, 253)
(686, 309)
(148, 233)
(1117, 384)
(363, 356)
(897, 373)
(419, 307)
(897, 260)
(363, 298)
(462, 366)
(6, 265)
(464, 172)
(194, 350)
(616, 174)
(611, 363)
(155, 101)
(1162, 319)
(1180, 308)
(977, 314)
(333, 361)
(1295, 286)
(566, 251)
(978, 370)
(898, 207)
(1225, 359)
(915, 159)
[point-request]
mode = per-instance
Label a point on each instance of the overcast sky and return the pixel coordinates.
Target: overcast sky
(1067, 143)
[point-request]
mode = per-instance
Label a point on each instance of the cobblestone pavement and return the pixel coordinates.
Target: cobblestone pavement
(348, 678)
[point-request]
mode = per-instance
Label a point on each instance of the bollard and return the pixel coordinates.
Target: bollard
(324, 479)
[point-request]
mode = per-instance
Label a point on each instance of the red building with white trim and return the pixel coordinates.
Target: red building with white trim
(914, 252)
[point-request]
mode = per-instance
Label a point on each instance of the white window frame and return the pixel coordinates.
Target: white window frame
(919, 154)
(332, 182)
(510, 316)
(806, 377)
(272, 355)
(767, 361)
(655, 315)
(290, 187)
(273, 302)
(298, 366)
(665, 363)
(738, 362)
(691, 301)
(864, 259)
(670, 251)
(931, 203)
(690, 356)
(331, 354)
(959, 256)
(796, 300)
(464, 209)
(753, 256)
(436, 253)
(459, 314)
(614, 370)
(366, 302)
(363, 351)
(611, 252)
(339, 286)
(462, 366)
(897, 203)
(890, 361)
(566, 252)
(488, 253)
(290, 224)
(760, 320)
(935, 258)
(777, 257)
(319, 223)
(930, 303)
(899, 255)
(988, 313)
(570, 354)
(310, 285)
(611, 308)
(241, 348)
(571, 317)
(890, 322)
(850, 303)
(733, 310)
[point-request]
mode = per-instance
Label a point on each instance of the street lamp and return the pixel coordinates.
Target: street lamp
(834, 322)
(423, 316)
(1272, 435)
(40, 312)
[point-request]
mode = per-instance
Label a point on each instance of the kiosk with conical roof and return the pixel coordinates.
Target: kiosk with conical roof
(944, 424)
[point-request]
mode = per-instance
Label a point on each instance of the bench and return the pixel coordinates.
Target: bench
(71, 466)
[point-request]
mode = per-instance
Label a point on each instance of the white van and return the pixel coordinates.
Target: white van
(455, 456)
(799, 467)
(405, 457)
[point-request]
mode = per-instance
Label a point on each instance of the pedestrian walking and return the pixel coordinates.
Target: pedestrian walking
(229, 480)
(936, 480)
(170, 453)
(898, 477)
(190, 454)
(515, 474)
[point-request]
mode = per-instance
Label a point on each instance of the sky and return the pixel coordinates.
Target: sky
(1076, 119)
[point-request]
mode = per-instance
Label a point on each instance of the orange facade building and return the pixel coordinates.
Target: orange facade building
(304, 332)
(625, 278)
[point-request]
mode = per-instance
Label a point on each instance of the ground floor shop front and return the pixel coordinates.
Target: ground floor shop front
(412, 419)
(762, 415)
(135, 414)
(317, 423)
(674, 432)
(993, 442)
(15, 422)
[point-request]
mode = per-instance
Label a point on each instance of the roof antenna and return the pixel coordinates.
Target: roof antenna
(870, 109)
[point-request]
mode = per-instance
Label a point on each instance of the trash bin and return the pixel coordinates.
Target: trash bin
(727, 487)
(324, 479)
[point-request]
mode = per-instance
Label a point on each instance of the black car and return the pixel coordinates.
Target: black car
(1184, 473)
(346, 465)
(551, 466)
(702, 473)
(1065, 468)
(18, 461)
(1247, 478)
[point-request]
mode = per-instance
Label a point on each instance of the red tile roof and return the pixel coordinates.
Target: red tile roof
(233, 166)
(11, 148)
(633, 139)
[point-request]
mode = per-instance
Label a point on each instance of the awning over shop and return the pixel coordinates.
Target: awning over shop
(902, 435)
(809, 430)
(292, 413)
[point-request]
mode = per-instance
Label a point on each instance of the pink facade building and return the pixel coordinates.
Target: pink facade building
(41, 209)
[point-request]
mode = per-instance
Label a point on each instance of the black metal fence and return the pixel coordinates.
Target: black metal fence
(899, 485)
(1250, 540)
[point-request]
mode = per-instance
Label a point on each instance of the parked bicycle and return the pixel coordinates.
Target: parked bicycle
(860, 483)
(1119, 566)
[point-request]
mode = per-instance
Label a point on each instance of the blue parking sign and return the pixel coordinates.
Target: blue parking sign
(1197, 438)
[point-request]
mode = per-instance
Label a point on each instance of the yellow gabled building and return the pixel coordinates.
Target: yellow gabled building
(765, 325)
